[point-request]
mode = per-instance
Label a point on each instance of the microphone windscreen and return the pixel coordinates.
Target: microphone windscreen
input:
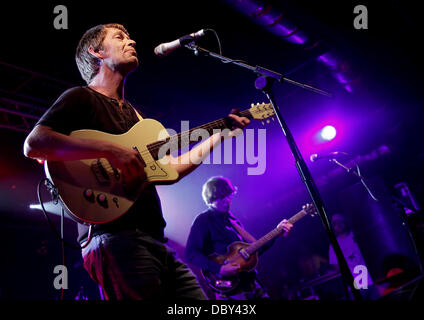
(159, 50)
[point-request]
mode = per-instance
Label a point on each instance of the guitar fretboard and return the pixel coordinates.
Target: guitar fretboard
(183, 139)
(255, 246)
(297, 216)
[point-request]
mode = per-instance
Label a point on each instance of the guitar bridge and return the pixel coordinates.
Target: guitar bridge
(223, 283)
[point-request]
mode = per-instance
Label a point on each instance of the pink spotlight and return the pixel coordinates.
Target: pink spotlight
(328, 133)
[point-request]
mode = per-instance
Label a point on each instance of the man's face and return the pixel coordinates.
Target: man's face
(339, 226)
(223, 204)
(119, 51)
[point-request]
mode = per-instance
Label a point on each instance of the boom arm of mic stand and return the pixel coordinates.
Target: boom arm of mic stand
(264, 83)
(256, 69)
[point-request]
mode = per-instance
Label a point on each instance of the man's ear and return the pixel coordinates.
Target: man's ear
(95, 52)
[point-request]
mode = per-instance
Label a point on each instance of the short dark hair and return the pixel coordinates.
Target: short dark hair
(88, 65)
(217, 188)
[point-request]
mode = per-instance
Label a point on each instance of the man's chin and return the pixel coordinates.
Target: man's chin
(131, 66)
(134, 62)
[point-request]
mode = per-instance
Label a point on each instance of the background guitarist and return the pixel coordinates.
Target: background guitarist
(127, 256)
(216, 228)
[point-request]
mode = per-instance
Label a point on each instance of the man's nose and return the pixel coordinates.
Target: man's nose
(132, 43)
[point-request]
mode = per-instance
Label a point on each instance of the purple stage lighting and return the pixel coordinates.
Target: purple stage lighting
(328, 133)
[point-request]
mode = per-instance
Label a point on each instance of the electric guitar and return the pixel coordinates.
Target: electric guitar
(93, 191)
(246, 256)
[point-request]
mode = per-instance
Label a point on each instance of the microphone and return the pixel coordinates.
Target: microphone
(166, 48)
(330, 155)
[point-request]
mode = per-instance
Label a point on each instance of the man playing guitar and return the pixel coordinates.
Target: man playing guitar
(214, 230)
(126, 256)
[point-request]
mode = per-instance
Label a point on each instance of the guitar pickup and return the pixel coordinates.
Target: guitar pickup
(100, 172)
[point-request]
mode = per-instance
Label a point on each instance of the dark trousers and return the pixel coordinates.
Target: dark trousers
(131, 265)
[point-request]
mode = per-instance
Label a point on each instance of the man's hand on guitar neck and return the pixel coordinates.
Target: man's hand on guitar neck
(187, 162)
(229, 269)
(238, 123)
(286, 226)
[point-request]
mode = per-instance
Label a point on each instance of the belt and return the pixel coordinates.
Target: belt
(114, 229)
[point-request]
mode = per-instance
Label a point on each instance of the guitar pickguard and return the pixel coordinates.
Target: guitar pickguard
(155, 171)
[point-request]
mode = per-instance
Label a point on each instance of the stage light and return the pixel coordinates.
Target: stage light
(50, 206)
(328, 133)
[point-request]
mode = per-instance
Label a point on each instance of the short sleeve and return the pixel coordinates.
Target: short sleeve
(69, 111)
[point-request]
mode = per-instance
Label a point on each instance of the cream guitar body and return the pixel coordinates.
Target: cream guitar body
(92, 191)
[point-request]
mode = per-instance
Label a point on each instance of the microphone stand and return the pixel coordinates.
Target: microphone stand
(264, 82)
(400, 202)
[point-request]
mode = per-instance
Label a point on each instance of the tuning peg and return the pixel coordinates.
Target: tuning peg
(262, 123)
(252, 104)
(267, 121)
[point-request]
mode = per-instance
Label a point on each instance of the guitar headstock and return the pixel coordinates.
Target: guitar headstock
(261, 111)
(310, 209)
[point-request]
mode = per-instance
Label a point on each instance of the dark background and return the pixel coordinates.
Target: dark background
(381, 107)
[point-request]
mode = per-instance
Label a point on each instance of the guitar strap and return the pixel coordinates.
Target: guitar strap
(242, 232)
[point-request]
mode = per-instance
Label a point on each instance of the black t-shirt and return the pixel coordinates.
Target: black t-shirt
(83, 108)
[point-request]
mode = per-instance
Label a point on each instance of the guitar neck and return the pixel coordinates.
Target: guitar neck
(183, 139)
(255, 246)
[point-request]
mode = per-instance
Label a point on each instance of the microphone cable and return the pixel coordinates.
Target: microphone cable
(217, 39)
(363, 182)
(55, 197)
(53, 190)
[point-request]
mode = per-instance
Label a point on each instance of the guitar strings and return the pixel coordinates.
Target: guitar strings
(153, 147)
